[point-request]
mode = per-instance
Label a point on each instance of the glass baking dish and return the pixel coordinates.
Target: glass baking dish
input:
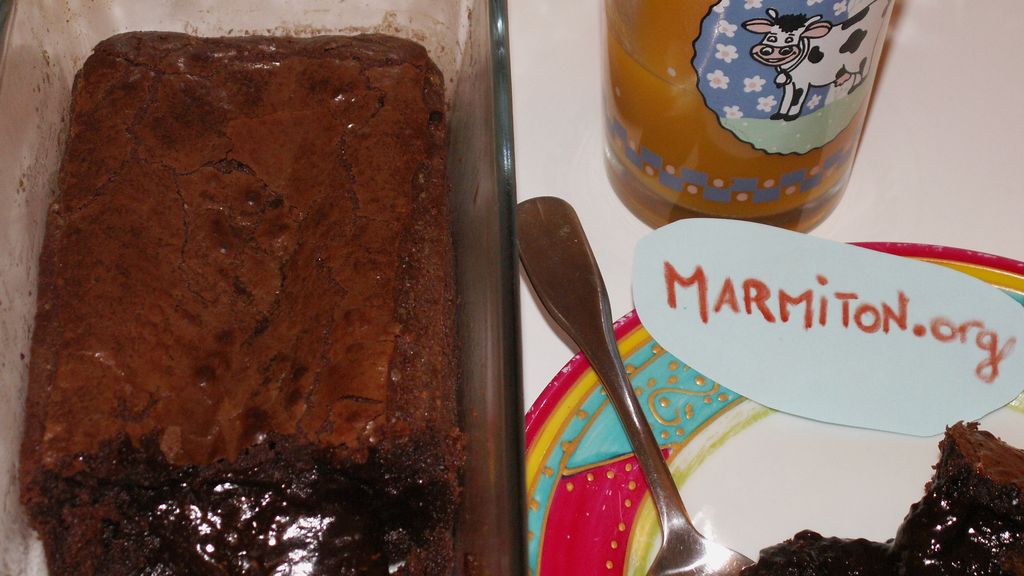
(44, 42)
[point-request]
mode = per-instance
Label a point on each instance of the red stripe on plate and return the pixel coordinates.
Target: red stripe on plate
(961, 255)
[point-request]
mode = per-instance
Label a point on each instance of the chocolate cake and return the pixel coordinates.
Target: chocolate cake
(969, 523)
(243, 359)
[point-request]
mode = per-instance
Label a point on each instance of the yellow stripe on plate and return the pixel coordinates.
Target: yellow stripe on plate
(994, 276)
(562, 414)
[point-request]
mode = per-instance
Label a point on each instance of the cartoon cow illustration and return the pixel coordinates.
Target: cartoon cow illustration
(808, 52)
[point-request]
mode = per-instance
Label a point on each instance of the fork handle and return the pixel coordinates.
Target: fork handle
(565, 276)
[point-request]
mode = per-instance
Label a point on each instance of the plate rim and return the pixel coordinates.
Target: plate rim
(988, 267)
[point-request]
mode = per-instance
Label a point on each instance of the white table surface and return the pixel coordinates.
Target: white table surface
(941, 162)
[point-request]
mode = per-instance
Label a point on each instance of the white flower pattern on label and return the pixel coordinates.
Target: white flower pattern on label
(733, 112)
(800, 56)
(754, 84)
(766, 103)
(728, 29)
(726, 52)
(718, 80)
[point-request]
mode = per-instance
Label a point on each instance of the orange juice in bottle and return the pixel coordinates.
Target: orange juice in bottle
(748, 109)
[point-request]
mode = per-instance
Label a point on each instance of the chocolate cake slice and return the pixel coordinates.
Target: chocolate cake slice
(243, 359)
(969, 523)
(971, 519)
(811, 554)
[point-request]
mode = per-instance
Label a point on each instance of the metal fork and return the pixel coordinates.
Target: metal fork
(561, 266)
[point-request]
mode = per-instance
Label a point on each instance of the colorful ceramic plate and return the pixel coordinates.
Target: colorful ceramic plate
(750, 476)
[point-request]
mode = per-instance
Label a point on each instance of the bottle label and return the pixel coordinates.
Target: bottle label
(787, 76)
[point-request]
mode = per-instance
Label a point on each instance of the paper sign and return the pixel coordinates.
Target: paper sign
(830, 331)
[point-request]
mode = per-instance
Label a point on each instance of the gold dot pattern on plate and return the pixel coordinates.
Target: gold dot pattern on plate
(620, 481)
(664, 388)
(668, 392)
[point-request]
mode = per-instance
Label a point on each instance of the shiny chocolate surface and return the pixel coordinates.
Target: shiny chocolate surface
(970, 522)
(252, 529)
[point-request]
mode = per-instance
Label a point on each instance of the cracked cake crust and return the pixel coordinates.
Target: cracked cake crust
(248, 259)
